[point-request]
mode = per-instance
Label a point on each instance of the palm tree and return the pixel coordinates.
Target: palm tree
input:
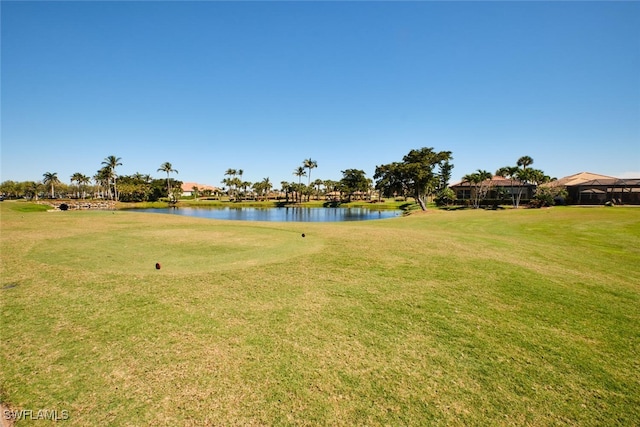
(299, 172)
(473, 180)
(32, 189)
(101, 178)
(241, 184)
(285, 188)
(516, 173)
(525, 161)
(111, 163)
(477, 181)
(510, 172)
(317, 183)
(168, 168)
(231, 180)
(51, 178)
(76, 178)
(266, 186)
(227, 182)
(309, 164)
(83, 180)
(244, 185)
(331, 186)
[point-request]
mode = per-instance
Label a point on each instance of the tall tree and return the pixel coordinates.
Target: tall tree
(481, 183)
(419, 165)
(32, 189)
(444, 175)
(266, 187)
(244, 185)
(524, 175)
(231, 181)
(102, 180)
(391, 180)
(415, 173)
(309, 164)
(317, 183)
(168, 168)
(76, 177)
(111, 163)
(444, 195)
(525, 161)
(286, 187)
(330, 188)
(353, 180)
(262, 188)
(11, 189)
(299, 172)
(81, 181)
(51, 179)
(510, 173)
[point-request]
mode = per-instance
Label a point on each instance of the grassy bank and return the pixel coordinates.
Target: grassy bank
(514, 317)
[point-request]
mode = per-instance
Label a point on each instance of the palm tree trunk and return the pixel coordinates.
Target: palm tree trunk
(169, 186)
(519, 196)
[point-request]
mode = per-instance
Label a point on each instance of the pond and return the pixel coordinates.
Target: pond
(282, 214)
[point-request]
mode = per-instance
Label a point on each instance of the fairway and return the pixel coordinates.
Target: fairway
(472, 317)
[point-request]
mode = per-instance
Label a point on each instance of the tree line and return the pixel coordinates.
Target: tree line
(520, 177)
(422, 174)
(105, 184)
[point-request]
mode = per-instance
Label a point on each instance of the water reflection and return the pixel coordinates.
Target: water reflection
(283, 214)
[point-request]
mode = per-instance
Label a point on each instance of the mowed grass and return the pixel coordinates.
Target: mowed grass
(515, 317)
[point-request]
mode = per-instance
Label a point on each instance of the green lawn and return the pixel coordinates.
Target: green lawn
(514, 317)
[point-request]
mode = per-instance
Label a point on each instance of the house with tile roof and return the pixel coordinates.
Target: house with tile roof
(188, 189)
(499, 190)
(584, 188)
(587, 188)
(577, 179)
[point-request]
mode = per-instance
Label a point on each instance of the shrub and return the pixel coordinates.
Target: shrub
(547, 196)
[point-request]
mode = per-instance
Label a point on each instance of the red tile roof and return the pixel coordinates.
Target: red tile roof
(188, 186)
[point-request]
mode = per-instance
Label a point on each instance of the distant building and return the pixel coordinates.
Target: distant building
(578, 178)
(586, 188)
(188, 189)
(497, 188)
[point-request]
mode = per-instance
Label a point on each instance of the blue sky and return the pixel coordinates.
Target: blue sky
(260, 86)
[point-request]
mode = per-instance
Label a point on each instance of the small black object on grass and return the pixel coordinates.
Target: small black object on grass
(302, 234)
(157, 266)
